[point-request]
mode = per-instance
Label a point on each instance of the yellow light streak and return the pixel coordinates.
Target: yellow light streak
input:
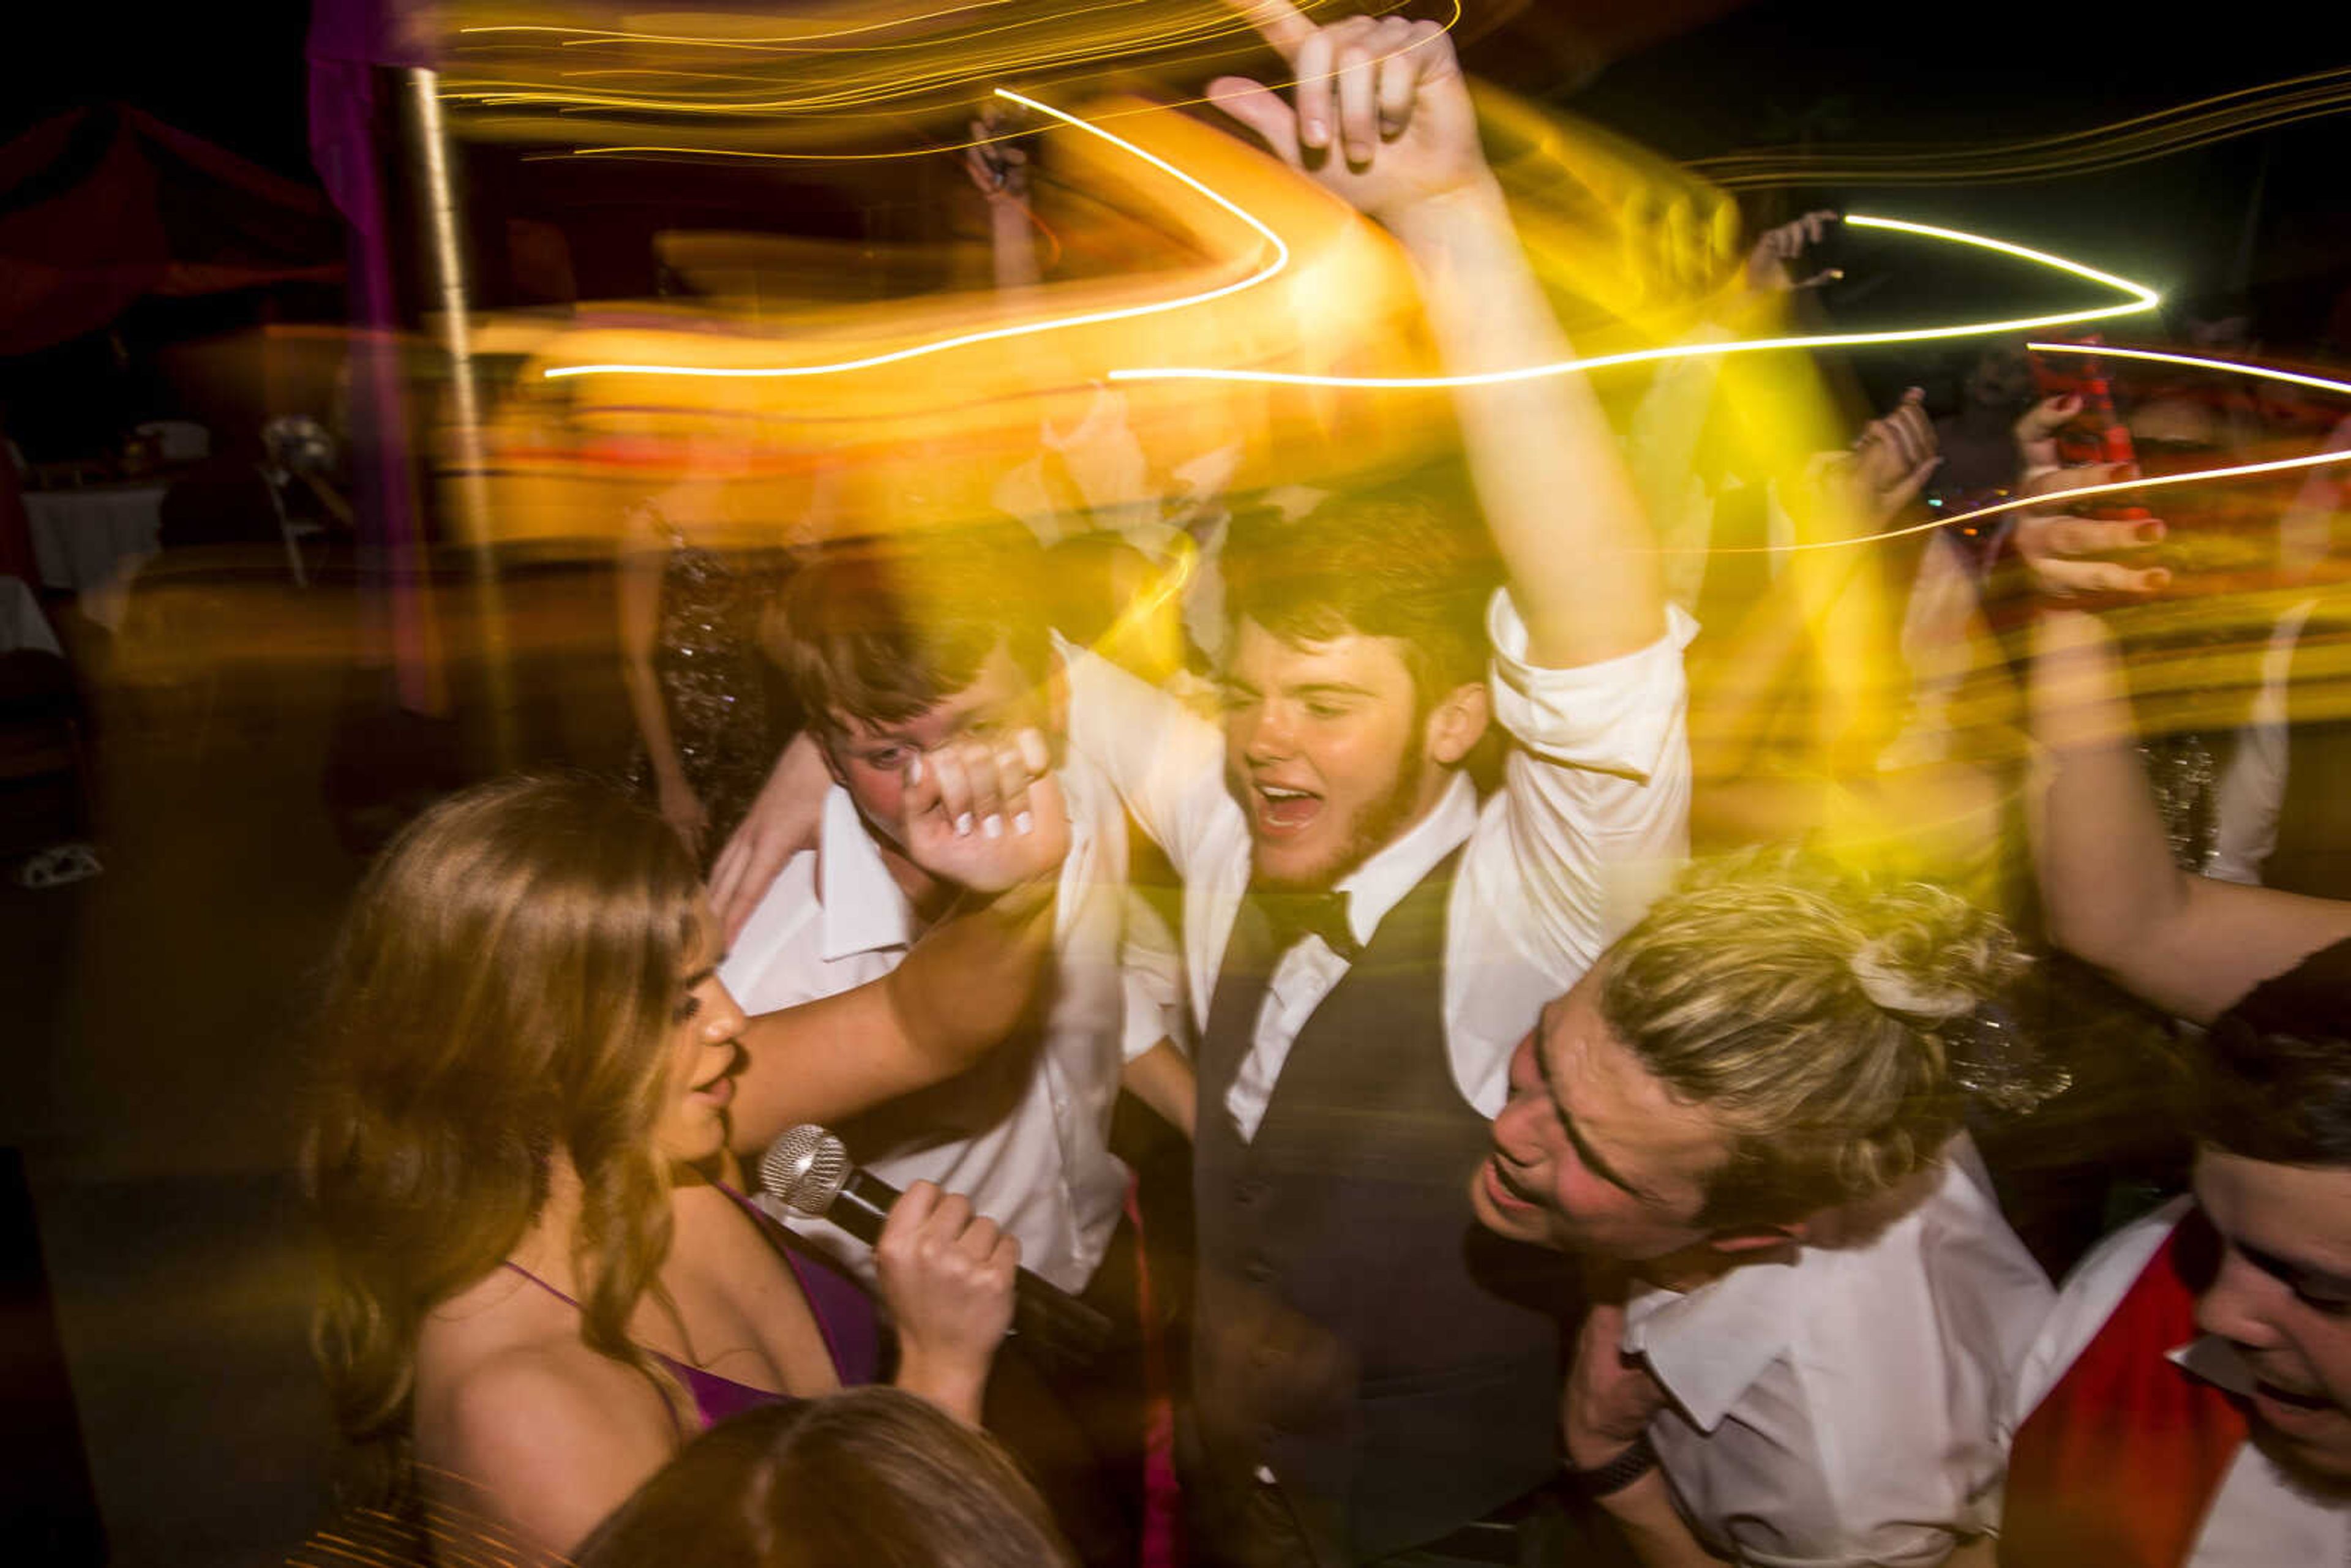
(2196, 124)
(2142, 298)
(957, 49)
(2064, 500)
(603, 35)
(994, 334)
(962, 65)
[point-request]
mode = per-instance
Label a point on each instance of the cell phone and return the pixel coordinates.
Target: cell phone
(2096, 433)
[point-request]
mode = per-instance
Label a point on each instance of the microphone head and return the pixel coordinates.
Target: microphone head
(805, 1169)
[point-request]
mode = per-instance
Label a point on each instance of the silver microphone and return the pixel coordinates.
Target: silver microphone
(808, 1170)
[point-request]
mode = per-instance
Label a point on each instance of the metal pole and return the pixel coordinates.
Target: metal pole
(445, 252)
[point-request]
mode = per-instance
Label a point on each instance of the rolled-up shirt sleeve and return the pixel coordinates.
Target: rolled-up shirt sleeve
(1593, 817)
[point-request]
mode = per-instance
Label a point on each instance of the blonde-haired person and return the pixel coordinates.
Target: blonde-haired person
(872, 1477)
(1808, 1310)
(543, 1278)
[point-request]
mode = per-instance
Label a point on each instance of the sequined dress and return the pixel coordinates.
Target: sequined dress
(726, 718)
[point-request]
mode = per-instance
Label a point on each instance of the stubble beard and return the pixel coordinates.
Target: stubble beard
(1376, 825)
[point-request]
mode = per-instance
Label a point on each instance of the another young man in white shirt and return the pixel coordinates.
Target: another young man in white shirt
(1808, 1310)
(932, 652)
(2188, 1403)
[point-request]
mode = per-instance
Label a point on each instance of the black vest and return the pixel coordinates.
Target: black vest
(1394, 1364)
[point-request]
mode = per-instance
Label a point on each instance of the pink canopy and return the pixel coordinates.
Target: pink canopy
(101, 207)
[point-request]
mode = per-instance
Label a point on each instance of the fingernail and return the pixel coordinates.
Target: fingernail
(993, 827)
(2159, 578)
(915, 771)
(2147, 533)
(1310, 131)
(1024, 824)
(963, 824)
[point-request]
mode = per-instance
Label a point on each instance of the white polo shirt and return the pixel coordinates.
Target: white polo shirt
(1846, 1404)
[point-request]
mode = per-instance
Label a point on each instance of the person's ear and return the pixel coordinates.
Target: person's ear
(1457, 723)
(827, 743)
(1757, 1237)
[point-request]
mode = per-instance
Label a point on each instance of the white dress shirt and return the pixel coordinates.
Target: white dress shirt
(1044, 1170)
(1590, 824)
(1845, 1404)
(1309, 971)
(2259, 1518)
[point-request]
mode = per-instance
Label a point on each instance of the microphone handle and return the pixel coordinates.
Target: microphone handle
(1041, 1310)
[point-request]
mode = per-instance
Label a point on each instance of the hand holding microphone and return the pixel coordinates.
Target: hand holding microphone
(930, 1245)
(948, 1276)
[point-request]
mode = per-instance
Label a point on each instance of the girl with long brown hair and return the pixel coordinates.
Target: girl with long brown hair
(543, 1278)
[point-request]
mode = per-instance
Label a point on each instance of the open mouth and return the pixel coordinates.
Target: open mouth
(1505, 1193)
(1281, 811)
(2290, 1399)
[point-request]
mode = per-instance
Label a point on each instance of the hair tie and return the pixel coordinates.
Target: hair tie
(1898, 992)
(1986, 1053)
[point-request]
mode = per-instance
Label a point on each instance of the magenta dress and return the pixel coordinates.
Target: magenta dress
(843, 1313)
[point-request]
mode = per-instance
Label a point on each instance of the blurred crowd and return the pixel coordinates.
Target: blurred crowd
(1690, 970)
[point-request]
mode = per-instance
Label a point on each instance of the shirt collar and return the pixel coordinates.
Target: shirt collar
(2213, 1360)
(864, 910)
(1706, 1347)
(1380, 883)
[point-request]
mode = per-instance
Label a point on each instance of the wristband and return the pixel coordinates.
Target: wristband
(1618, 1473)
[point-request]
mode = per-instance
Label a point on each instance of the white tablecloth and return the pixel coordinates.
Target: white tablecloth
(22, 624)
(90, 541)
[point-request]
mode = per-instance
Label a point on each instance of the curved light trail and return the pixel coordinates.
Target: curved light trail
(994, 334)
(2140, 297)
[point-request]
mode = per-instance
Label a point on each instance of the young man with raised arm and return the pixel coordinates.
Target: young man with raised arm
(1364, 942)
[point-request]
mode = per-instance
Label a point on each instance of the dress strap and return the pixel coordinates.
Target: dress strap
(684, 1375)
(544, 1285)
(843, 1310)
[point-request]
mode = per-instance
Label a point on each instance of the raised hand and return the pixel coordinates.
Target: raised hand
(946, 1275)
(2071, 558)
(1379, 113)
(997, 165)
(986, 814)
(1768, 261)
(784, 820)
(2036, 432)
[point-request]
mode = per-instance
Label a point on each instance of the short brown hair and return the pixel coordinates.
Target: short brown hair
(881, 630)
(1408, 560)
(1813, 1011)
(2271, 1079)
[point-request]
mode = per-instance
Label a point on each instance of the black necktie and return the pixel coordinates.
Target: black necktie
(1295, 916)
